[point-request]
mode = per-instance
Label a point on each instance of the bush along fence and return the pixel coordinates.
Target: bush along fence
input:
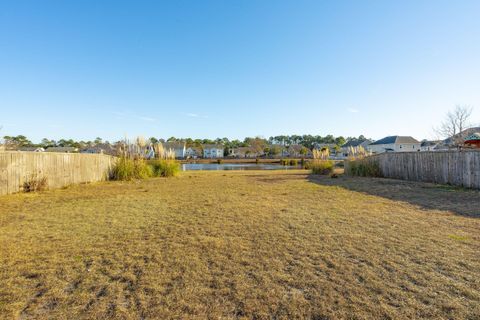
(30, 171)
(458, 168)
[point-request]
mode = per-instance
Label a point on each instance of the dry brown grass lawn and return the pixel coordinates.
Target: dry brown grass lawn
(241, 245)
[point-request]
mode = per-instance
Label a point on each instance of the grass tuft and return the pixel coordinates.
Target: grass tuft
(127, 169)
(165, 168)
(362, 168)
(35, 183)
(323, 167)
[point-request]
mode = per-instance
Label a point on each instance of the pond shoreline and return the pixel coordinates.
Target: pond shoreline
(233, 160)
(236, 166)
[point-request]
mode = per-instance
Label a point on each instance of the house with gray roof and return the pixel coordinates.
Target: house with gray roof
(459, 138)
(355, 144)
(427, 145)
(395, 144)
(62, 149)
(193, 152)
(176, 146)
(31, 149)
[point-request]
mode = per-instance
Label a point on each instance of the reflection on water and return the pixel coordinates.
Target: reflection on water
(236, 166)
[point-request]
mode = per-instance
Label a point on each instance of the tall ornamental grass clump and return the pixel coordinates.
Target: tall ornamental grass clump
(319, 166)
(362, 168)
(165, 168)
(126, 169)
(132, 163)
(165, 164)
(320, 163)
(361, 165)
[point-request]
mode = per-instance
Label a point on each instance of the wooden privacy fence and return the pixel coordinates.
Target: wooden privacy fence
(60, 169)
(459, 168)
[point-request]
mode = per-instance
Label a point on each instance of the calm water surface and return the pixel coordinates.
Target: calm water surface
(235, 166)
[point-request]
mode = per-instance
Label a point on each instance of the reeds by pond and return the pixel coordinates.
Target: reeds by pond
(142, 160)
(320, 163)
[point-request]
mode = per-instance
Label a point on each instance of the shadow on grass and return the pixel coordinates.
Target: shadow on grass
(460, 201)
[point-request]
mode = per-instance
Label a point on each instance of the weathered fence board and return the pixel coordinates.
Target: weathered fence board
(60, 169)
(459, 168)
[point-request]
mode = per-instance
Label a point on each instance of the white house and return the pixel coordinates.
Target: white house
(395, 144)
(193, 152)
(213, 151)
(178, 147)
(31, 149)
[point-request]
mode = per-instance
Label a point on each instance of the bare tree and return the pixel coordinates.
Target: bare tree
(456, 121)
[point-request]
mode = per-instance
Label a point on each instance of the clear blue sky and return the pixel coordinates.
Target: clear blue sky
(81, 69)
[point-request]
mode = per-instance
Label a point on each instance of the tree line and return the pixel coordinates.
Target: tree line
(259, 143)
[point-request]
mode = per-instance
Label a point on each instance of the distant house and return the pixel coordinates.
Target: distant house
(178, 147)
(355, 144)
(244, 152)
(459, 138)
(193, 152)
(31, 149)
(62, 149)
(429, 145)
(395, 144)
(473, 140)
(213, 151)
(101, 148)
(295, 150)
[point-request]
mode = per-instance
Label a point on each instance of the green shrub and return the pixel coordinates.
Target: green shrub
(284, 162)
(126, 169)
(294, 162)
(317, 166)
(165, 168)
(363, 168)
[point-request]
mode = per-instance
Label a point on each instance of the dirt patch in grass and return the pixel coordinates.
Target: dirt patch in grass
(241, 245)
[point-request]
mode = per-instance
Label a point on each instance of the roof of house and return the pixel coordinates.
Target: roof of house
(174, 145)
(355, 143)
(395, 140)
(472, 137)
(465, 133)
(31, 149)
(324, 145)
(212, 146)
(427, 143)
(62, 149)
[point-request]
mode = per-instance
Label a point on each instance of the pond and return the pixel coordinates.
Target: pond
(235, 166)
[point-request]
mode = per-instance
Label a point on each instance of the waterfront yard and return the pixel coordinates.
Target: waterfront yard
(241, 245)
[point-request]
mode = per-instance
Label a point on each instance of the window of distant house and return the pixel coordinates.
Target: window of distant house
(400, 146)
